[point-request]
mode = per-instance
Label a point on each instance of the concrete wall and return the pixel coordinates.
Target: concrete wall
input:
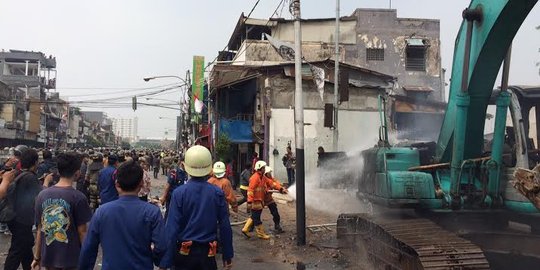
(358, 121)
(358, 131)
(317, 31)
(380, 28)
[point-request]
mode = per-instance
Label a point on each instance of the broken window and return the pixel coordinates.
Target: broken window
(415, 55)
(375, 54)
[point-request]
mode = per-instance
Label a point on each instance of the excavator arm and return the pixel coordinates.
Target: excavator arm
(494, 25)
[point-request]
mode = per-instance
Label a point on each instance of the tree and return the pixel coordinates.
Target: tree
(223, 147)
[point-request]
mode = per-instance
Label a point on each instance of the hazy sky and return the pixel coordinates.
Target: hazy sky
(113, 44)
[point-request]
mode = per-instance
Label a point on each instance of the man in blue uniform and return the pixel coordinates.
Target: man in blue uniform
(176, 178)
(107, 189)
(197, 210)
(125, 228)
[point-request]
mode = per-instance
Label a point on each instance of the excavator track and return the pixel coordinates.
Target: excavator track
(415, 243)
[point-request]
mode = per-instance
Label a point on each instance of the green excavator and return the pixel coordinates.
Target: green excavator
(456, 204)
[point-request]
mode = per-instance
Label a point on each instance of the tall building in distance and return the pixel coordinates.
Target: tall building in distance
(125, 128)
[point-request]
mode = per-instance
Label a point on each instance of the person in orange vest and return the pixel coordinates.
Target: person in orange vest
(219, 180)
(273, 184)
(256, 193)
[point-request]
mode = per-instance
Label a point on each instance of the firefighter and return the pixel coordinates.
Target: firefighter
(198, 209)
(219, 180)
(273, 184)
(92, 175)
(256, 194)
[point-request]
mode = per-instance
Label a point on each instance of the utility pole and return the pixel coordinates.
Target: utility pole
(299, 129)
(335, 136)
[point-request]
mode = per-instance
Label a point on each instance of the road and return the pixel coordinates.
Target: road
(278, 253)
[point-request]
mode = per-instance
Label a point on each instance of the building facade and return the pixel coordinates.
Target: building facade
(252, 85)
(126, 128)
(26, 79)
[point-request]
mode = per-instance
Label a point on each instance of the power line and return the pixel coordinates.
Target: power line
(125, 90)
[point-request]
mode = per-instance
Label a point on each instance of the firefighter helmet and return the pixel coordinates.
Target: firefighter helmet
(198, 161)
(219, 169)
(267, 169)
(260, 165)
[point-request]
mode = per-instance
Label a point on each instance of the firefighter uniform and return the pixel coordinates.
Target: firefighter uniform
(256, 197)
(224, 184)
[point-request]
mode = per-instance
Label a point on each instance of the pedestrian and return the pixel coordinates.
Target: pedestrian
(23, 196)
(254, 160)
(175, 179)
(92, 177)
(320, 156)
(145, 189)
(289, 161)
(47, 164)
(273, 184)
(155, 164)
(107, 177)
(62, 214)
(256, 193)
(244, 183)
(82, 184)
(129, 230)
(229, 173)
(219, 180)
(198, 209)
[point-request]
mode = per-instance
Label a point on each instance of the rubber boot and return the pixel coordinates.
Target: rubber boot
(245, 230)
(260, 232)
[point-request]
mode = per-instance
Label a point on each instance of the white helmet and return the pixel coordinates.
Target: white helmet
(267, 169)
(198, 161)
(219, 169)
(260, 164)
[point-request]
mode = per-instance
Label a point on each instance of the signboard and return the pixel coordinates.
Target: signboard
(197, 88)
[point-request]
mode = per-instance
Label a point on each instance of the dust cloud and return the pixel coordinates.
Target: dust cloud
(332, 187)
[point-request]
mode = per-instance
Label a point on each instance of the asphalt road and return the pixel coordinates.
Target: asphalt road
(279, 253)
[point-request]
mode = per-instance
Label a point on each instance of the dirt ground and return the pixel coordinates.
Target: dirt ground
(281, 251)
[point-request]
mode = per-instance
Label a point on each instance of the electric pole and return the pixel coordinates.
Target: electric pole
(335, 136)
(299, 129)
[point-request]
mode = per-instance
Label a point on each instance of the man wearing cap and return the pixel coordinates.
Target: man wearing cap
(219, 180)
(107, 177)
(195, 209)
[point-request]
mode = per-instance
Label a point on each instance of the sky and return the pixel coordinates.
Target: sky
(104, 47)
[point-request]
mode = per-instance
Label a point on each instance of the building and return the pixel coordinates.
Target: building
(252, 85)
(26, 78)
(99, 129)
(375, 39)
(126, 128)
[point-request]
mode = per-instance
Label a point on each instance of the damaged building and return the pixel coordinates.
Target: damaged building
(252, 84)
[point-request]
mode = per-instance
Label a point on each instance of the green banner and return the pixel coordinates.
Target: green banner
(197, 88)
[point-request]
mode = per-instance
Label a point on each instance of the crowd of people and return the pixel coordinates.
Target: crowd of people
(77, 201)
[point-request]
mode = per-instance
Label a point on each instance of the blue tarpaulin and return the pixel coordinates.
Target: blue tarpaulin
(237, 131)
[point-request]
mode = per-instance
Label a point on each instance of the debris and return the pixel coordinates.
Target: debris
(527, 182)
(300, 265)
(321, 227)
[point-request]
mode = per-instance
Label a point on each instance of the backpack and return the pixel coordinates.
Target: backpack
(7, 204)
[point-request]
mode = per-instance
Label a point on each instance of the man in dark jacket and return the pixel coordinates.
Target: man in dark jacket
(26, 189)
(48, 163)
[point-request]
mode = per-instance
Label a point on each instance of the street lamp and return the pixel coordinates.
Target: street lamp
(186, 82)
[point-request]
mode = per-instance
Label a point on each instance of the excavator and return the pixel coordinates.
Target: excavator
(456, 204)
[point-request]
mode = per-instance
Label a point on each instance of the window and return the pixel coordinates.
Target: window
(375, 54)
(416, 58)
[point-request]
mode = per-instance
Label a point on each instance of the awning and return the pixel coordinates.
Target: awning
(238, 131)
(415, 42)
